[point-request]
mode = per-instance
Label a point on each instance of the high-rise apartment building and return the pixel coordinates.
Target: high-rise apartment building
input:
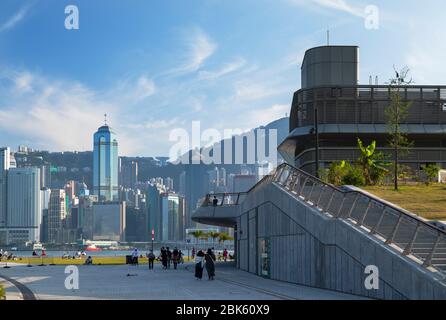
(128, 173)
(56, 214)
(4, 167)
(24, 211)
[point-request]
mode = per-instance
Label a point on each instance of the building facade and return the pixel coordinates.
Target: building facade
(105, 164)
(24, 211)
(56, 215)
(4, 167)
(342, 111)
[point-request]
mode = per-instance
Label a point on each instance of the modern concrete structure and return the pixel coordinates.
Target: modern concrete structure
(105, 164)
(295, 228)
(292, 227)
(346, 110)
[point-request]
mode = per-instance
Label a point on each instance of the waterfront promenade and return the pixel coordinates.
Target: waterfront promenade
(112, 282)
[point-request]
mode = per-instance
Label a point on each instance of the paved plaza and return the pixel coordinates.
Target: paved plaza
(113, 282)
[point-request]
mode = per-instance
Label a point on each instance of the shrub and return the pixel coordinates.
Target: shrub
(354, 176)
(431, 171)
(337, 172)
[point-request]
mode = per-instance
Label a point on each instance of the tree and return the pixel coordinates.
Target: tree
(370, 163)
(396, 114)
(431, 171)
(197, 234)
(214, 235)
(224, 237)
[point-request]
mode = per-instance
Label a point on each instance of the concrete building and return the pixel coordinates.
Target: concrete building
(128, 173)
(109, 221)
(56, 215)
(24, 211)
(346, 111)
(105, 164)
(243, 182)
(295, 228)
(172, 217)
(4, 167)
(154, 192)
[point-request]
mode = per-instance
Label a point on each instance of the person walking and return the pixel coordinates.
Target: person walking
(164, 258)
(169, 257)
(181, 258)
(151, 258)
(199, 265)
(225, 255)
(175, 258)
(193, 252)
(209, 258)
(135, 257)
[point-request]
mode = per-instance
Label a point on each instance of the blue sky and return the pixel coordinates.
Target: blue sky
(153, 66)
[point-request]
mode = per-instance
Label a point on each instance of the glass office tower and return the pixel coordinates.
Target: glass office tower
(105, 164)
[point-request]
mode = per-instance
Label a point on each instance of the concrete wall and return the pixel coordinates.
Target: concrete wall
(313, 249)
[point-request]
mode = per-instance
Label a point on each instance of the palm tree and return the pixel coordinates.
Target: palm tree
(197, 234)
(224, 237)
(214, 235)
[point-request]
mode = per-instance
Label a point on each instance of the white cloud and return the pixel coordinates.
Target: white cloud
(199, 47)
(63, 115)
(15, 19)
(23, 82)
(225, 70)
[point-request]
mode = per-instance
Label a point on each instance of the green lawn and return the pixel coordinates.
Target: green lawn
(426, 201)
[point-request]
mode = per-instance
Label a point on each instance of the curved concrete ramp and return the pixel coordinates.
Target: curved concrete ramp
(312, 234)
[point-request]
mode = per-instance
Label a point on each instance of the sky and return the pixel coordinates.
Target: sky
(157, 65)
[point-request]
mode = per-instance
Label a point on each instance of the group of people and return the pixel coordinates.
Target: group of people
(205, 260)
(168, 257)
(7, 255)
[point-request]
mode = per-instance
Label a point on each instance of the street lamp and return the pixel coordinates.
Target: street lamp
(315, 131)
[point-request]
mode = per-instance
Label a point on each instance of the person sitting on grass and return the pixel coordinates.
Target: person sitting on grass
(89, 261)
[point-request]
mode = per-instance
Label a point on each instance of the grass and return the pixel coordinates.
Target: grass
(2, 293)
(425, 201)
(59, 261)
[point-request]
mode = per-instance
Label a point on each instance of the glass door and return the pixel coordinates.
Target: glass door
(264, 257)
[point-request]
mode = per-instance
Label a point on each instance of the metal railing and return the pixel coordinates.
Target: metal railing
(223, 199)
(393, 225)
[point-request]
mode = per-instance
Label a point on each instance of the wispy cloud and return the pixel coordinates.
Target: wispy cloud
(15, 19)
(338, 5)
(225, 70)
(198, 47)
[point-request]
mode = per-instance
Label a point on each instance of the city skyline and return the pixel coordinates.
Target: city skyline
(165, 73)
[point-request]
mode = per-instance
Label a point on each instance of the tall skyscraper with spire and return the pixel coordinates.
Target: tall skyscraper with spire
(105, 164)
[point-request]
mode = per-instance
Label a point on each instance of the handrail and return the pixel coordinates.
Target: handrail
(393, 224)
(390, 219)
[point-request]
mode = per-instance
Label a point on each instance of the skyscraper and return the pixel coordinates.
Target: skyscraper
(128, 173)
(56, 214)
(24, 211)
(4, 166)
(105, 164)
